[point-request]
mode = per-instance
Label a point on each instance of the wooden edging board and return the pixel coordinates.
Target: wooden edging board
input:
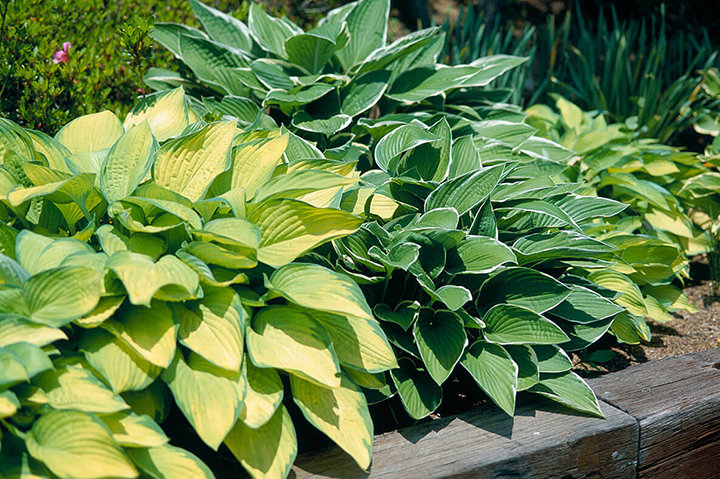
(662, 421)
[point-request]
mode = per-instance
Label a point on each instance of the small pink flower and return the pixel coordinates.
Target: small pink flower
(139, 90)
(61, 56)
(122, 70)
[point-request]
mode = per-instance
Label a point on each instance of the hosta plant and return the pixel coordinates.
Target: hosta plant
(160, 260)
(671, 193)
(489, 265)
(320, 81)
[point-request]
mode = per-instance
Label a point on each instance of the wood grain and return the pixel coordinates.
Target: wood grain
(538, 443)
(676, 402)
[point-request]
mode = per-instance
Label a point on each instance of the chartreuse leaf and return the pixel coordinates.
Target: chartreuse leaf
(131, 430)
(188, 164)
(631, 298)
(12, 369)
(209, 397)
(511, 324)
(253, 163)
(15, 330)
(33, 359)
(214, 327)
(524, 287)
(465, 192)
(630, 329)
(315, 287)
(9, 405)
(341, 414)
(478, 255)
(441, 340)
(494, 371)
(143, 279)
(75, 388)
(367, 25)
(151, 332)
(670, 297)
(154, 401)
(37, 253)
(568, 389)
(290, 228)
(359, 343)
(57, 296)
(52, 150)
(128, 163)
(122, 368)
(264, 395)
(91, 132)
(169, 462)
(268, 451)
(419, 393)
(166, 113)
(289, 339)
(73, 444)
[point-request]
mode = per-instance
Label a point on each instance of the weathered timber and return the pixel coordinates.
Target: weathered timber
(544, 442)
(676, 402)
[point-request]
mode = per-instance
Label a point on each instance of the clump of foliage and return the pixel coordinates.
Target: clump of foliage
(100, 70)
(634, 69)
(672, 194)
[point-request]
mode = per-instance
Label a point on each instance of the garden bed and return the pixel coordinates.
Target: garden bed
(662, 420)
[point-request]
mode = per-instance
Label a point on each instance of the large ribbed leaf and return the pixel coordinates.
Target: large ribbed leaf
(289, 339)
(441, 340)
(363, 92)
(210, 397)
(253, 163)
(15, 330)
(132, 430)
(367, 24)
(313, 49)
(188, 164)
(524, 287)
(264, 395)
(270, 32)
(150, 331)
(90, 132)
(315, 287)
(465, 192)
(223, 28)
(418, 84)
(494, 371)
(122, 368)
(268, 451)
(585, 306)
(166, 113)
(169, 462)
(341, 414)
(290, 228)
(214, 327)
(57, 296)
(76, 445)
(215, 63)
(419, 393)
(569, 389)
(128, 162)
(398, 141)
(509, 324)
(78, 389)
(478, 255)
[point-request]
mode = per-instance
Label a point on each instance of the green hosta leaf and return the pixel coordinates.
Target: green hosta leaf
(223, 28)
(585, 306)
(57, 296)
(415, 85)
(74, 388)
(494, 371)
(526, 360)
(90, 132)
(154, 401)
(510, 324)
(478, 255)
(363, 92)
(398, 141)
(341, 414)
(209, 397)
(37, 253)
(313, 49)
(33, 359)
(491, 67)
(270, 32)
(128, 163)
(441, 340)
(166, 113)
(404, 315)
(143, 279)
(327, 125)
(9, 405)
(75, 445)
(169, 462)
(298, 96)
(151, 332)
(12, 369)
(630, 329)
(367, 25)
(562, 244)
(552, 359)
(268, 451)
(465, 192)
(287, 338)
(253, 163)
(569, 389)
(131, 430)
(118, 364)
(264, 395)
(15, 330)
(315, 287)
(583, 335)
(231, 258)
(419, 393)
(188, 164)
(214, 328)
(214, 63)
(359, 343)
(524, 287)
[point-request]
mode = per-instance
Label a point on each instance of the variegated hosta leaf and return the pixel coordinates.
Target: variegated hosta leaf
(73, 444)
(131, 430)
(253, 163)
(57, 296)
(128, 162)
(75, 388)
(494, 371)
(264, 394)
(166, 113)
(169, 462)
(90, 133)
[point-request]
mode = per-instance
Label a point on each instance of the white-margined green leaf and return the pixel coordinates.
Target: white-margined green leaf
(524, 287)
(568, 389)
(271, 33)
(367, 25)
(441, 340)
(400, 140)
(465, 192)
(511, 324)
(552, 359)
(419, 393)
(363, 92)
(494, 371)
(478, 255)
(313, 49)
